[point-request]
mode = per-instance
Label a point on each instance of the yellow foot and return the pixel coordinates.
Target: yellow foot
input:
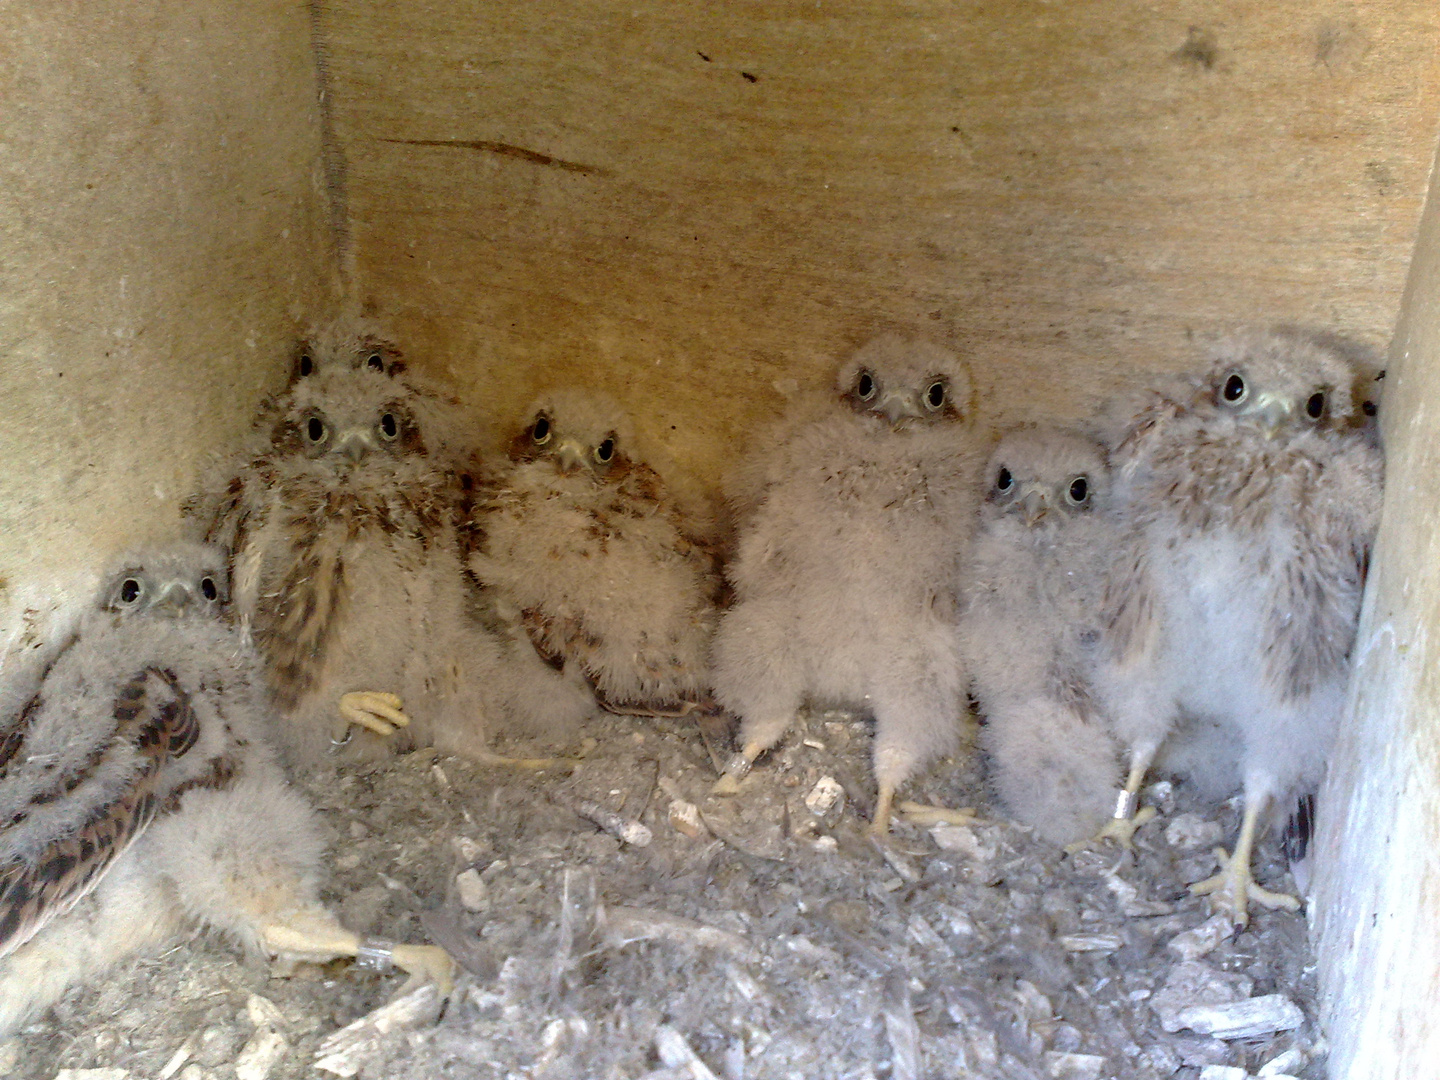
(736, 769)
(371, 709)
(924, 816)
(1233, 889)
(424, 964)
(1121, 830)
(880, 824)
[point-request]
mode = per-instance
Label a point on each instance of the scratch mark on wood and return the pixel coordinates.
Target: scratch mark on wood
(507, 150)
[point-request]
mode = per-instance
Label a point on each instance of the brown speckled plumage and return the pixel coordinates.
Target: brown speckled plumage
(342, 513)
(154, 721)
(608, 570)
(139, 799)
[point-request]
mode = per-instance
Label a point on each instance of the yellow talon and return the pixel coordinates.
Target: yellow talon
(373, 710)
(1232, 889)
(924, 816)
(425, 963)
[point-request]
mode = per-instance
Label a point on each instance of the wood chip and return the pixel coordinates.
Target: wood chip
(621, 926)
(675, 1053)
(344, 1052)
(622, 828)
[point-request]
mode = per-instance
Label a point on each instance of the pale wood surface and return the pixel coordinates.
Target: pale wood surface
(1377, 893)
(1063, 191)
(162, 235)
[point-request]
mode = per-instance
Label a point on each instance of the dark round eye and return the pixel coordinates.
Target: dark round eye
(307, 364)
(375, 362)
(1234, 390)
(389, 428)
(605, 451)
(129, 591)
(208, 588)
(1369, 409)
(1004, 481)
(1079, 490)
(541, 431)
(315, 429)
(935, 395)
(1315, 405)
(865, 386)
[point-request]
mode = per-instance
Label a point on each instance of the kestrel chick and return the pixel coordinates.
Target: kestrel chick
(341, 514)
(1031, 615)
(139, 797)
(1247, 506)
(611, 573)
(347, 343)
(847, 567)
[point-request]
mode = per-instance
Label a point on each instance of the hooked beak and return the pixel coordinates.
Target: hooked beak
(1272, 411)
(899, 406)
(175, 599)
(569, 457)
(1036, 504)
(355, 444)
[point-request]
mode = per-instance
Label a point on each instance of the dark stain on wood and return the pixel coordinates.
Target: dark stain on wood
(506, 150)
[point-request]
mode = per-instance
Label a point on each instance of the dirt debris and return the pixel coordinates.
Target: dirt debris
(761, 936)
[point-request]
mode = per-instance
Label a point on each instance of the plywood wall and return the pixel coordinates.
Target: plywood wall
(699, 205)
(163, 230)
(1377, 907)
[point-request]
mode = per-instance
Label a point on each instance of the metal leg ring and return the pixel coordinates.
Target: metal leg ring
(375, 954)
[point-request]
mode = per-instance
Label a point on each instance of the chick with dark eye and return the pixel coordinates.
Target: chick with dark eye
(208, 589)
(389, 427)
(1004, 482)
(305, 366)
(865, 386)
(935, 395)
(316, 431)
(1234, 390)
(375, 362)
(1315, 405)
(1078, 493)
(129, 591)
(540, 430)
(605, 452)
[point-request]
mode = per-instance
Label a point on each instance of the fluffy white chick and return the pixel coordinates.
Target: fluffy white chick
(1248, 504)
(1031, 615)
(847, 568)
(608, 566)
(342, 515)
(139, 797)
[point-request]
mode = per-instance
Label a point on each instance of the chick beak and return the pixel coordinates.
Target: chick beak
(569, 457)
(1036, 505)
(899, 406)
(175, 599)
(1272, 411)
(354, 445)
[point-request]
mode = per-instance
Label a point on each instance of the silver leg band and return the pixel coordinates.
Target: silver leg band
(738, 766)
(1126, 803)
(375, 954)
(349, 734)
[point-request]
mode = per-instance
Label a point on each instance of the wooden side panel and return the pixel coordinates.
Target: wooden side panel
(1377, 910)
(163, 232)
(699, 206)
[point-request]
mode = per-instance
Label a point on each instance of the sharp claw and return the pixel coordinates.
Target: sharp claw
(1232, 890)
